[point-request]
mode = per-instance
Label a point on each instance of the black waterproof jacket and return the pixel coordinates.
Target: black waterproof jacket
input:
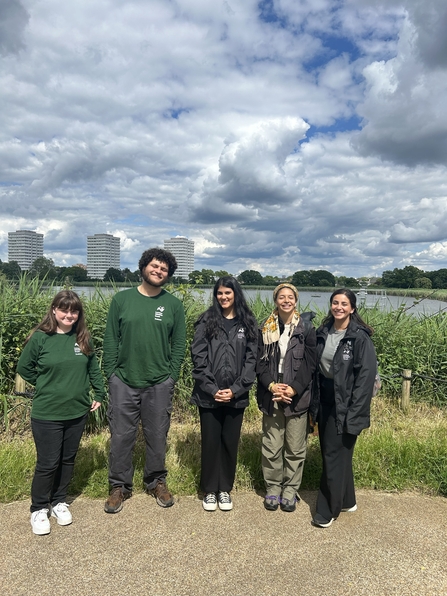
(298, 368)
(225, 362)
(355, 368)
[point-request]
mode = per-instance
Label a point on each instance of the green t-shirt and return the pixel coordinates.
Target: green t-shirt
(62, 375)
(145, 337)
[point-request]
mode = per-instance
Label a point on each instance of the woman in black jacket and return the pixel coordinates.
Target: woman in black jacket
(224, 358)
(345, 381)
(286, 364)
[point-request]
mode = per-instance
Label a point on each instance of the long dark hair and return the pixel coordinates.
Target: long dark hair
(213, 315)
(66, 300)
(329, 320)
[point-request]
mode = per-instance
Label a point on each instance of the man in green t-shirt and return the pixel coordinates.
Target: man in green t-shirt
(144, 346)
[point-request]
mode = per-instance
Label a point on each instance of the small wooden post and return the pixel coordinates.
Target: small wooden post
(406, 385)
(20, 384)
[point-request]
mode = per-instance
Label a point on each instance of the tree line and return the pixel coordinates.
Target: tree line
(407, 277)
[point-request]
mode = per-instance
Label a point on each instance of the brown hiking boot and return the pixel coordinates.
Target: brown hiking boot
(117, 496)
(162, 495)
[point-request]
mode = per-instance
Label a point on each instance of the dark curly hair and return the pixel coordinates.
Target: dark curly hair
(213, 315)
(329, 319)
(159, 254)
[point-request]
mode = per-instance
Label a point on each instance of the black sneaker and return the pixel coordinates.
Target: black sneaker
(322, 522)
(224, 501)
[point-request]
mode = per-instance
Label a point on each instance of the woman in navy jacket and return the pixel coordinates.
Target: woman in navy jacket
(345, 381)
(224, 358)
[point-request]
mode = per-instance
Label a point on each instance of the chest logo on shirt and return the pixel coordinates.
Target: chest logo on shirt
(241, 333)
(77, 350)
(159, 313)
(347, 350)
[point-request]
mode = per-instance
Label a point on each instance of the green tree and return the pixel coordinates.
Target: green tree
(75, 273)
(347, 282)
(301, 279)
(438, 278)
(423, 282)
(401, 278)
(221, 273)
(249, 277)
(269, 280)
(113, 274)
(321, 277)
(11, 270)
(43, 267)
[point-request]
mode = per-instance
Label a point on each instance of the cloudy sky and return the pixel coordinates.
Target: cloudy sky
(279, 135)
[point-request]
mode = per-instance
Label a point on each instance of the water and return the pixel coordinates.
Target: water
(320, 300)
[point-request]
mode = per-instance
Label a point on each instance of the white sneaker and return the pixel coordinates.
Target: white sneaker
(350, 509)
(61, 513)
(40, 522)
(224, 500)
(209, 502)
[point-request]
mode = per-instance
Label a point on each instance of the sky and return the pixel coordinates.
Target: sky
(279, 135)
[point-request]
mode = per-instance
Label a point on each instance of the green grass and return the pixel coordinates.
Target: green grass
(399, 452)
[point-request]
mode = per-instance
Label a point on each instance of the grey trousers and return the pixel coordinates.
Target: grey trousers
(127, 406)
(284, 443)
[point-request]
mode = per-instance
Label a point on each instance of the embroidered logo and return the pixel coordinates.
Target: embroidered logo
(77, 350)
(347, 350)
(159, 313)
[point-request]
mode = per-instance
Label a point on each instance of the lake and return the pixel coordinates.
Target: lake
(320, 300)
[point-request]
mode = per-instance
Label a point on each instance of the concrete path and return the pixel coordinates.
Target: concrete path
(393, 545)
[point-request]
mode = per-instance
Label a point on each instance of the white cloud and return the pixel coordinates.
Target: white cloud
(230, 123)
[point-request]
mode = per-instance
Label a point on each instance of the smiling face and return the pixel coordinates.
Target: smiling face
(225, 297)
(155, 273)
(65, 319)
(285, 302)
(341, 310)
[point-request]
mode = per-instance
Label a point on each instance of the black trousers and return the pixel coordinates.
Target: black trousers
(221, 430)
(337, 480)
(57, 443)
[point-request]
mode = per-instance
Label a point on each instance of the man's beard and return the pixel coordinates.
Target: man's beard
(151, 282)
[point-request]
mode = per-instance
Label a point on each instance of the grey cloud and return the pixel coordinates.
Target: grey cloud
(13, 21)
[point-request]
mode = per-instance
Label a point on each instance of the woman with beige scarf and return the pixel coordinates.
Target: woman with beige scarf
(286, 363)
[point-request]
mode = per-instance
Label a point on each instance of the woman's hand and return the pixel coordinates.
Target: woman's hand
(283, 392)
(95, 405)
(224, 395)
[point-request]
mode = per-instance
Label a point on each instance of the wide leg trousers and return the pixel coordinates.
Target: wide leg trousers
(337, 490)
(220, 430)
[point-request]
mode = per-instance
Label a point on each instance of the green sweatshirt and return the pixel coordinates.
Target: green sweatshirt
(145, 337)
(62, 375)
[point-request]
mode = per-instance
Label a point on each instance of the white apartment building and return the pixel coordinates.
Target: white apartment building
(183, 251)
(103, 252)
(25, 246)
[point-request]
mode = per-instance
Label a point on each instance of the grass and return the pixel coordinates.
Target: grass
(399, 452)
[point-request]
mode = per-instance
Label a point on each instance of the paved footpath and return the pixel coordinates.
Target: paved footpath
(395, 544)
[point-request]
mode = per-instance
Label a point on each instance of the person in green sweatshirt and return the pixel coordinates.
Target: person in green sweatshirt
(144, 347)
(59, 360)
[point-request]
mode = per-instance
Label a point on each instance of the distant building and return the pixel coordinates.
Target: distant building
(103, 252)
(25, 246)
(183, 251)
